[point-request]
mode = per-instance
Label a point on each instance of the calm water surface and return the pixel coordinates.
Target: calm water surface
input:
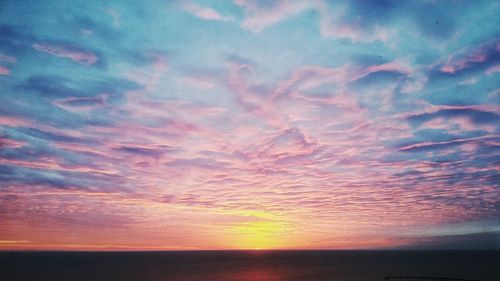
(249, 265)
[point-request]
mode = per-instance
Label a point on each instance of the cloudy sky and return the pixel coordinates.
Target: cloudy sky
(179, 125)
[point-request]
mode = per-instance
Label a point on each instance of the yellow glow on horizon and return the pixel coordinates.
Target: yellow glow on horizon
(260, 235)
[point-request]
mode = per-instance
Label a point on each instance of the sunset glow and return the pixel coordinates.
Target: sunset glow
(202, 125)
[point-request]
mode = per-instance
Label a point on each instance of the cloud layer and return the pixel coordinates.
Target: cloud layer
(276, 124)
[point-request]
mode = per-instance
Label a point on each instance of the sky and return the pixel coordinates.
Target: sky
(249, 124)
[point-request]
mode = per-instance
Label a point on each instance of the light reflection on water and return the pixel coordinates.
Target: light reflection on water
(254, 274)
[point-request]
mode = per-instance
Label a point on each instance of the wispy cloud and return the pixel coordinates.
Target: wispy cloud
(71, 53)
(4, 71)
(202, 12)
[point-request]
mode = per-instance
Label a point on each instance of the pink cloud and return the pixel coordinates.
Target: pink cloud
(85, 58)
(457, 125)
(330, 25)
(414, 83)
(149, 76)
(7, 59)
(430, 108)
(457, 141)
(4, 70)
(198, 83)
(309, 77)
(312, 76)
(258, 17)
(113, 13)
(400, 66)
(466, 59)
(202, 12)
(10, 143)
(14, 121)
(82, 103)
(493, 70)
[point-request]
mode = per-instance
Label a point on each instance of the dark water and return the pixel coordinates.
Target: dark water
(249, 266)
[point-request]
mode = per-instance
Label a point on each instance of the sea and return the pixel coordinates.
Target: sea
(258, 265)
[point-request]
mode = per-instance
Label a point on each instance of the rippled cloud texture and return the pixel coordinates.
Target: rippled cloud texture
(249, 124)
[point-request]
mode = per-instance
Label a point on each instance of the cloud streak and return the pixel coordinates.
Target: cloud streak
(74, 54)
(202, 12)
